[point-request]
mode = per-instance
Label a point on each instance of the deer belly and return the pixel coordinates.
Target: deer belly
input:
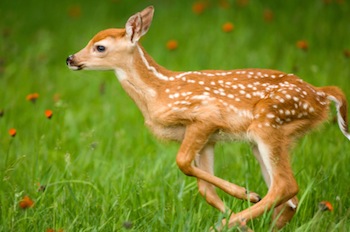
(177, 133)
(224, 136)
(173, 133)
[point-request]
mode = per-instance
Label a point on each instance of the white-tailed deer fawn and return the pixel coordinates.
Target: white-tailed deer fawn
(267, 108)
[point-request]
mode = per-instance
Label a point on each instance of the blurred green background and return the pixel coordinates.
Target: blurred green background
(100, 167)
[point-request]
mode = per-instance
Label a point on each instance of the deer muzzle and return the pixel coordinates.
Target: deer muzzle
(72, 64)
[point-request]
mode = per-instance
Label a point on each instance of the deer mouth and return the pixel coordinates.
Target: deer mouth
(71, 63)
(76, 67)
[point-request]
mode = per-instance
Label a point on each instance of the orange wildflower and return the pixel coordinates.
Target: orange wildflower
(268, 15)
(303, 45)
(12, 132)
(52, 230)
(26, 202)
(227, 27)
(199, 7)
(32, 97)
(242, 3)
(74, 11)
(224, 4)
(326, 206)
(172, 44)
(48, 113)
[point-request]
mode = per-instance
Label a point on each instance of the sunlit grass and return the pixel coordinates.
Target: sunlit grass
(93, 166)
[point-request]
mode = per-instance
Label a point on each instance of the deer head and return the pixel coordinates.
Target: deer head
(109, 49)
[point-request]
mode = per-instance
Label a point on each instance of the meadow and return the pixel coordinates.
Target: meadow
(75, 155)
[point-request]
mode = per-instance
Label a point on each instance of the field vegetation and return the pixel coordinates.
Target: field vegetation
(75, 155)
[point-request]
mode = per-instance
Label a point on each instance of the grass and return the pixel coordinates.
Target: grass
(101, 169)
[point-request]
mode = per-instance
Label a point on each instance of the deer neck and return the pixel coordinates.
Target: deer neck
(142, 78)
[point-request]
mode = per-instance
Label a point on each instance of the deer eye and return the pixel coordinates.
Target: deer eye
(100, 48)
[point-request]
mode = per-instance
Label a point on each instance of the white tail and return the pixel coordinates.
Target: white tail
(268, 108)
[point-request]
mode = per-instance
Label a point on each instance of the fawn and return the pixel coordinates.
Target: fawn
(267, 108)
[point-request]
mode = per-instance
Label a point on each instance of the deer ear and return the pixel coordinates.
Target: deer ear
(138, 24)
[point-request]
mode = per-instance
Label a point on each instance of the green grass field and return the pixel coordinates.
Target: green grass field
(94, 167)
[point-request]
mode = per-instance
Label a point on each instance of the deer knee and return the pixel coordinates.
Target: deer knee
(288, 192)
(285, 190)
(184, 165)
(292, 190)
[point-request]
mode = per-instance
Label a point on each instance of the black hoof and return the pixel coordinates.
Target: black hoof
(259, 198)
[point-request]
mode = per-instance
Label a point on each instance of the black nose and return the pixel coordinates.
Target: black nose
(69, 60)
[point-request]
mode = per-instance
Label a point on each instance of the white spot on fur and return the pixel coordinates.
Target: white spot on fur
(296, 99)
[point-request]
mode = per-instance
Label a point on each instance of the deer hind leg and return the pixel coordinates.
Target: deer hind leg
(283, 213)
(205, 161)
(283, 187)
(195, 140)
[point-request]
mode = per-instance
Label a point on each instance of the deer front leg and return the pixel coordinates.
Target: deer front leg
(195, 139)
